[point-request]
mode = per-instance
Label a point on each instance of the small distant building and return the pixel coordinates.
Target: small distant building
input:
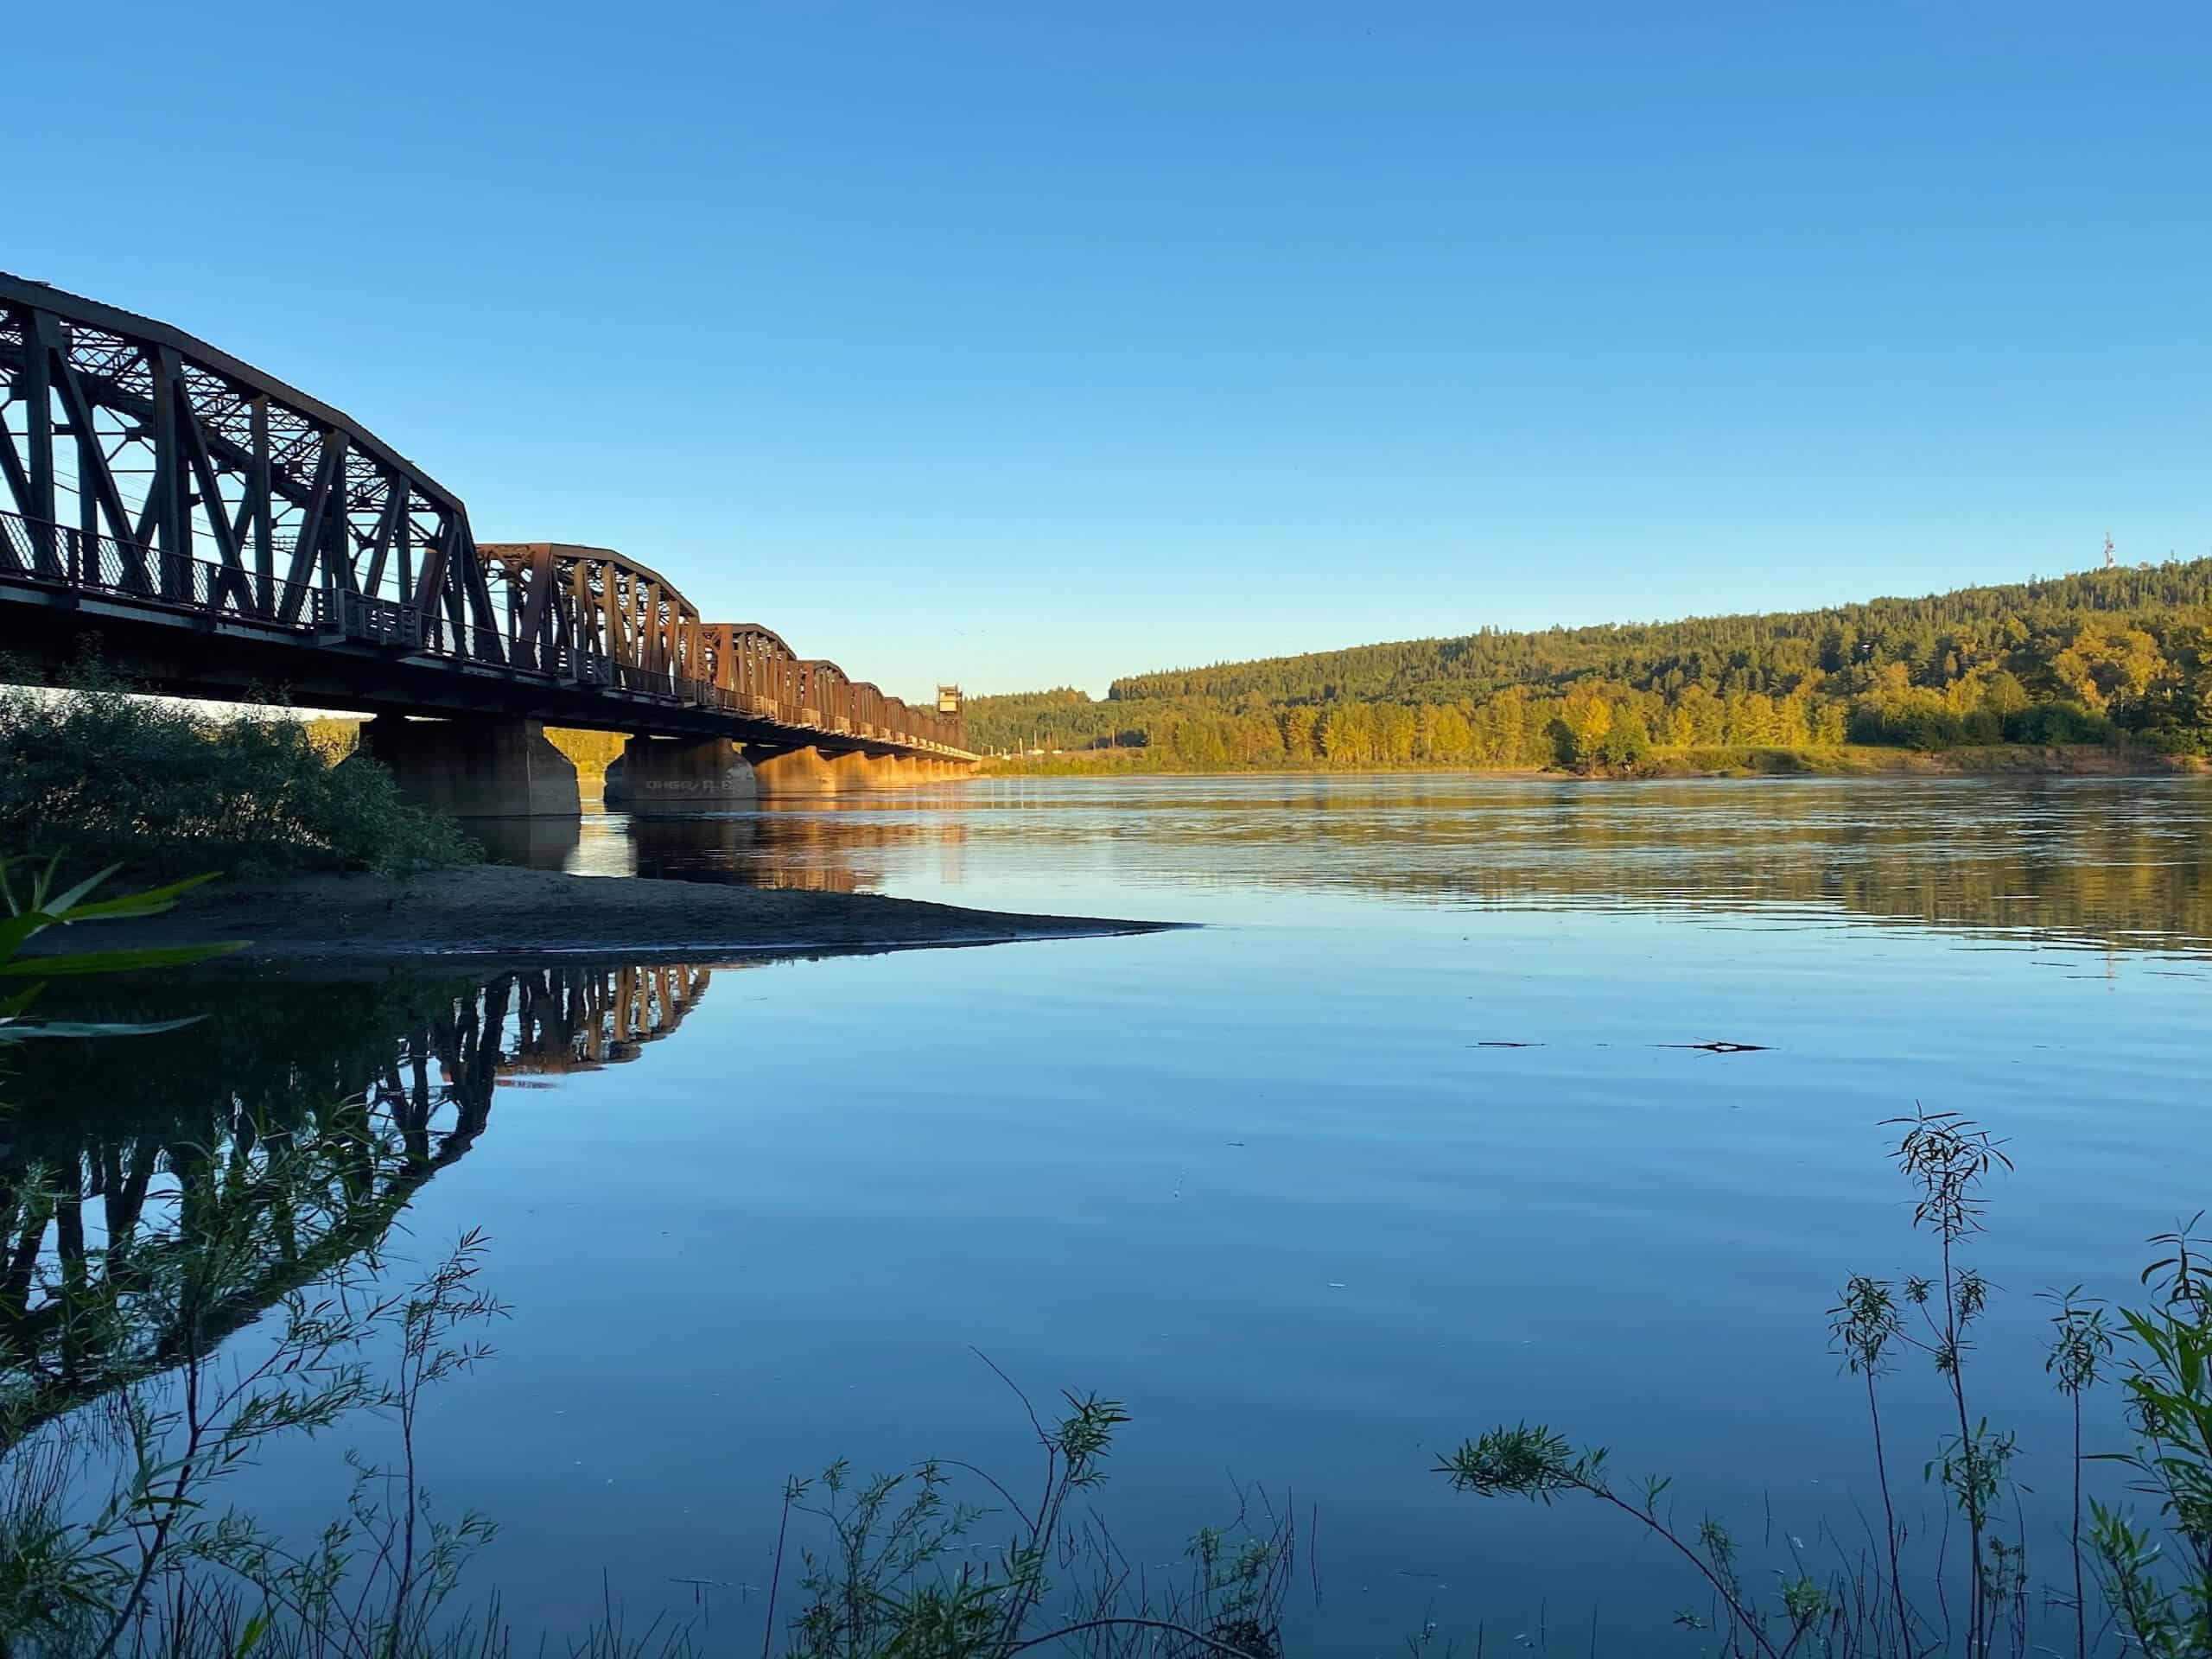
(948, 699)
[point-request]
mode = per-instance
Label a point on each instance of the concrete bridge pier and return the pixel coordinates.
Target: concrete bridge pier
(809, 772)
(793, 772)
(681, 774)
(858, 770)
(931, 769)
(475, 766)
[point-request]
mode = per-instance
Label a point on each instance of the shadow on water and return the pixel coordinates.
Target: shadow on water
(533, 843)
(299, 1118)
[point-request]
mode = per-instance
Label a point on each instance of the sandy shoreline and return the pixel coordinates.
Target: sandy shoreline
(495, 913)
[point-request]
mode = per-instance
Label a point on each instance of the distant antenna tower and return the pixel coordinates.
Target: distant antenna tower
(2110, 561)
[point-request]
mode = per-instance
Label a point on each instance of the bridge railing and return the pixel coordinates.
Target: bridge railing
(50, 555)
(63, 556)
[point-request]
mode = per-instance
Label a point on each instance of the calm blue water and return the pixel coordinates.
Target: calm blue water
(1272, 1182)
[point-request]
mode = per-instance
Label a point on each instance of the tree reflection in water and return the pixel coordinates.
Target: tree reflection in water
(2121, 864)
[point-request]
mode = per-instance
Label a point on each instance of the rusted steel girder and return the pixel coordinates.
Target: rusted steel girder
(167, 480)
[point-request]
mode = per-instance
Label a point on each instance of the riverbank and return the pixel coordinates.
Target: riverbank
(1848, 761)
(1869, 760)
(499, 914)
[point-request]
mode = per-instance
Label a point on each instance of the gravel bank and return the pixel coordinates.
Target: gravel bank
(500, 913)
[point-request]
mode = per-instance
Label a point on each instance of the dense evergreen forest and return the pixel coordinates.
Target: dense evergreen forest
(2118, 656)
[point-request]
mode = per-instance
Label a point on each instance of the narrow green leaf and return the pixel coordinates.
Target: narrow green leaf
(250, 1638)
(56, 905)
(16, 931)
(148, 903)
(15, 1030)
(116, 962)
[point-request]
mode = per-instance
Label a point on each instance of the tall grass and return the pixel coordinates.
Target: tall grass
(140, 1387)
(114, 1539)
(2129, 1584)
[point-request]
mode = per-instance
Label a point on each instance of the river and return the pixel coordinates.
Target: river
(1423, 1128)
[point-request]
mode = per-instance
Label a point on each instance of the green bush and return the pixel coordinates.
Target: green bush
(99, 772)
(2169, 739)
(2059, 723)
(1931, 729)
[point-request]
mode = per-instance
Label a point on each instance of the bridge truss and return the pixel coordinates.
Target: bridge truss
(154, 479)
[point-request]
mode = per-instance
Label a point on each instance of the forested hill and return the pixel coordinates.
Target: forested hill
(2101, 654)
(1906, 630)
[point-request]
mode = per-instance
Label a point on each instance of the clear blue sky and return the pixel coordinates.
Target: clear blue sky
(1029, 344)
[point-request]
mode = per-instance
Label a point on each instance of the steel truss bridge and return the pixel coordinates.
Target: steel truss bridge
(224, 536)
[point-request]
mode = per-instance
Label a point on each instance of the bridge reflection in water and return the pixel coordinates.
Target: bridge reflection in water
(832, 846)
(579, 1020)
(823, 848)
(296, 1123)
(2105, 864)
